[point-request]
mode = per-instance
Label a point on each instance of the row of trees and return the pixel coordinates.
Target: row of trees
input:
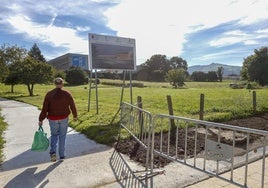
(19, 66)
(22, 66)
(156, 68)
(174, 70)
(210, 76)
(255, 67)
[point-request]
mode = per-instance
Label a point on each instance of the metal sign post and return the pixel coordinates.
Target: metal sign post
(123, 86)
(96, 91)
(111, 53)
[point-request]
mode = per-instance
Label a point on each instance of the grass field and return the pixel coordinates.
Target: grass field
(221, 103)
(2, 141)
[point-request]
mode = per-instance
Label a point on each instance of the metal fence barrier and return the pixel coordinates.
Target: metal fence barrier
(213, 148)
(138, 123)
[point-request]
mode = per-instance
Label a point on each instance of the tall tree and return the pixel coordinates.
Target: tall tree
(8, 55)
(33, 72)
(255, 67)
(199, 76)
(244, 71)
(212, 76)
(220, 73)
(36, 54)
(176, 77)
(13, 78)
(156, 67)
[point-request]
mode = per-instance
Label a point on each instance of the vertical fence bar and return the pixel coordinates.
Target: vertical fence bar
(195, 143)
(133, 127)
(177, 135)
(232, 160)
(168, 143)
(185, 143)
(148, 149)
(219, 141)
(149, 122)
(263, 161)
(206, 149)
(140, 116)
(145, 128)
(152, 127)
(246, 167)
(161, 136)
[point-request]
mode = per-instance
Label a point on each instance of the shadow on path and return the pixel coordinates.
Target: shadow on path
(76, 145)
(29, 179)
(124, 174)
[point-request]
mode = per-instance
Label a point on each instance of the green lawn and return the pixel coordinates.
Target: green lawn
(221, 103)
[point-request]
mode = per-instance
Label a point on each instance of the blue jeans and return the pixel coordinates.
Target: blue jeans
(58, 130)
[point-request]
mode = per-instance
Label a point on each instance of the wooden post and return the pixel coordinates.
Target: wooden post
(172, 122)
(201, 112)
(170, 111)
(139, 101)
(254, 101)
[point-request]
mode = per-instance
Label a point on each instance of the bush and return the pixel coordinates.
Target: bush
(237, 85)
(60, 73)
(242, 85)
(76, 76)
(253, 85)
(134, 84)
(93, 81)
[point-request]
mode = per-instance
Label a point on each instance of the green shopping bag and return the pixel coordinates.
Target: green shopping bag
(40, 142)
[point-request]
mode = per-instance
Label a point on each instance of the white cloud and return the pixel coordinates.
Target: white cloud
(213, 56)
(19, 16)
(161, 26)
(79, 28)
(263, 31)
(250, 42)
(57, 36)
(238, 33)
(238, 36)
(225, 41)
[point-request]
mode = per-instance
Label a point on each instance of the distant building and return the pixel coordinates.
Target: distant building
(65, 62)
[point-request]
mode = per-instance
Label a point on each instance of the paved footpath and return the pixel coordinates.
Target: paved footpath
(24, 168)
(88, 164)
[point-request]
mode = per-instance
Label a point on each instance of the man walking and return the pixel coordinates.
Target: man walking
(57, 106)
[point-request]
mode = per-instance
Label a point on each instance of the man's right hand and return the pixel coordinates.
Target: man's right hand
(40, 123)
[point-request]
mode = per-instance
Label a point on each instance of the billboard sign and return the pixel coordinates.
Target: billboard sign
(80, 61)
(111, 52)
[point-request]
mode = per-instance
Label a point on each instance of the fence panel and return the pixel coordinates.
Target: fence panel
(214, 148)
(209, 147)
(138, 123)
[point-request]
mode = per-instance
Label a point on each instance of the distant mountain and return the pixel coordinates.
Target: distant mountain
(228, 69)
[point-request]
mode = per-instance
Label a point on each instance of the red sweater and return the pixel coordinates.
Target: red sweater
(58, 103)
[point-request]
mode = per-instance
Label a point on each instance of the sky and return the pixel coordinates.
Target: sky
(200, 32)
